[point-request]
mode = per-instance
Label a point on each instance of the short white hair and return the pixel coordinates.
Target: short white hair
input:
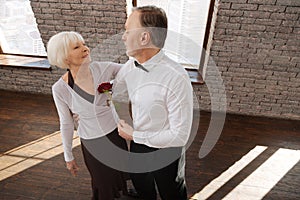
(59, 45)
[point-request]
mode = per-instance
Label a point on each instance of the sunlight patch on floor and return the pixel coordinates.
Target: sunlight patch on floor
(266, 176)
(28, 155)
(218, 182)
(258, 183)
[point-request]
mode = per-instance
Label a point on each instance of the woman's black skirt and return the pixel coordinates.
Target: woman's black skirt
(107, 182)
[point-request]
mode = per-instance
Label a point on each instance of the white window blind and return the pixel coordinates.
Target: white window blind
(18, 29)
(187, 23)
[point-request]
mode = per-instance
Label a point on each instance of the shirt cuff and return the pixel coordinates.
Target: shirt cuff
(68, 156)
(138, 137)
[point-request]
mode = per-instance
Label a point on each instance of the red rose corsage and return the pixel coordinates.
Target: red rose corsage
(106, 88)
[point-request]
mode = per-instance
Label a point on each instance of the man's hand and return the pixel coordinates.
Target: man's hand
(75, 119)
(125, 130)
(72, 167)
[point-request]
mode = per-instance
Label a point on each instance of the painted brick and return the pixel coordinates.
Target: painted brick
(289, 3)
(271, 8)
(244, 6)
(265, 2)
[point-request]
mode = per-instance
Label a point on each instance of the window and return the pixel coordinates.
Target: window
(18, 29)
(187, 25)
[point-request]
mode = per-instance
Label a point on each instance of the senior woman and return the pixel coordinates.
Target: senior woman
(76, 93)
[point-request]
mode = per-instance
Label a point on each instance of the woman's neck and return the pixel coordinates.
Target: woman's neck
(75, 69)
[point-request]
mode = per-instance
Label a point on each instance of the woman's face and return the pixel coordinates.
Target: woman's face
(79, 54)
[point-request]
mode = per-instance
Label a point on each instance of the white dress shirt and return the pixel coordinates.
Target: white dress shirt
(95, 119)
(162, 101)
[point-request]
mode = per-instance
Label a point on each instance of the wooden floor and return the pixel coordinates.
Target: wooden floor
(255, 158)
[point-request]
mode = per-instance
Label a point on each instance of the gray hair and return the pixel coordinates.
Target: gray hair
(59, 45)
(155, 20)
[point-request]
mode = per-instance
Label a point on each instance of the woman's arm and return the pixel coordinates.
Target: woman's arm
(66, 122)
(104, 71)
(115, 67)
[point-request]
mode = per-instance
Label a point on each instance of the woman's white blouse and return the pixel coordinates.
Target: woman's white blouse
(96, 119)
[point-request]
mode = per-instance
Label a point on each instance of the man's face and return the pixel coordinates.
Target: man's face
(132, 35)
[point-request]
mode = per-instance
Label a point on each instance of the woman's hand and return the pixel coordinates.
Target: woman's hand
(72, 167)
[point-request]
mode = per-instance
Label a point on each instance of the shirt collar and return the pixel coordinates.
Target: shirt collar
(152, 62)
